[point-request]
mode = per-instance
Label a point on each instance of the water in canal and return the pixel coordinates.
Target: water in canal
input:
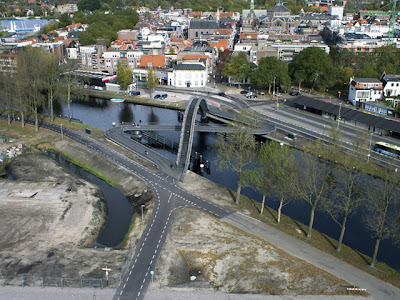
(102, 113)
(119, 213)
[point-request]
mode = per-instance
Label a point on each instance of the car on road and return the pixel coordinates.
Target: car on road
(163, 96)
(222, 95)
(157, 96)
(134, 93)
(278, 95)
(293, 93)
(251, 95)
(243, 92)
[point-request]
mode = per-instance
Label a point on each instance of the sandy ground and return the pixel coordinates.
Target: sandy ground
(49, 218)
(228, 260)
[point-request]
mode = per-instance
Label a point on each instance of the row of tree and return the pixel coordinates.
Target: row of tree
(37, 84)
(324, 176)
(314, 68)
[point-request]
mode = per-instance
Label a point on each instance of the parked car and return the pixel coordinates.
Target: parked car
(163, 96)
(278, 95)
(243, 92)
(134, 93)
(251, 95)
(157, 96)
(222, 95)
(260, 93)
(293, 93)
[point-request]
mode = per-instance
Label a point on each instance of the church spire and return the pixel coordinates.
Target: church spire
(252, 5)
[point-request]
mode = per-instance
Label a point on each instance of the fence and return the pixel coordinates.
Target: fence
(64, 282)
(61, 282)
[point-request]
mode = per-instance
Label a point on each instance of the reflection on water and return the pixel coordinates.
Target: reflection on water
(126, 115)
(102, 115)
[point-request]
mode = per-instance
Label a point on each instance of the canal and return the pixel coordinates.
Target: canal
(102, 113)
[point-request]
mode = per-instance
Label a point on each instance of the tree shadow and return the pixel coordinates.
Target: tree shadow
(364, 257)
(271, 212)
(232, 195)
(299, 226)
(328, 240)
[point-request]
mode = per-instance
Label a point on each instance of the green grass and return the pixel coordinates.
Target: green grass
(125, 243)
(86, 167)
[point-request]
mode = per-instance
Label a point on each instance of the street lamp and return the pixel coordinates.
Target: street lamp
(141, 207)
(340, 108)
(369, 147)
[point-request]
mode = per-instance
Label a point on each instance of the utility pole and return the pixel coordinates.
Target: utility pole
(340, 108)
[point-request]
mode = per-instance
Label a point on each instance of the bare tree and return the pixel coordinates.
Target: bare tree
(383, 209)
(347, 194)
(52, 80)
(238, 150)
(71, 85)
(346, 197)
(314, 179)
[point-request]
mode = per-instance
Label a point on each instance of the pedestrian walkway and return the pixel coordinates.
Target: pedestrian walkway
(175, 294)
(52, 293)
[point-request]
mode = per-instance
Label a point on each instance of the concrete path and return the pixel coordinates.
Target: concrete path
(201, 295)
(52, 293)
(297, 248)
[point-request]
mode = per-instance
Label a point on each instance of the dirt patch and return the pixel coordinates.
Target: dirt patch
(226, 259)
(48, 216)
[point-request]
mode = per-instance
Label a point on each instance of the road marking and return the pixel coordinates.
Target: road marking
(124, 285)
(120, 293)
(169, 197)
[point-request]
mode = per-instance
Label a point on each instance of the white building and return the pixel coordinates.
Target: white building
(391, 88)
(336, 11)
(365, 90)
(188, 75)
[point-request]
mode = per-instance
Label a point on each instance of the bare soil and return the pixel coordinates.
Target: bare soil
(229, 260)
(49, 218)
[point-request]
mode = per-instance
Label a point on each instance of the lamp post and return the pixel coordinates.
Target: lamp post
(340, 108)
(141, 207)
(369, 147)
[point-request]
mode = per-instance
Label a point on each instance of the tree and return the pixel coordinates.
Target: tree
(282, 174)
(64, 20)
(347, 194)
(273, 174)
(239, 68)
(52, 80)
(238, 149)
(32, 70)
(90, 5)
(383, 209)
(269, 69)
(313, 180)
(314, 66)
(124, 75)
(70, 83)
(152, 81)
(7, 82)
